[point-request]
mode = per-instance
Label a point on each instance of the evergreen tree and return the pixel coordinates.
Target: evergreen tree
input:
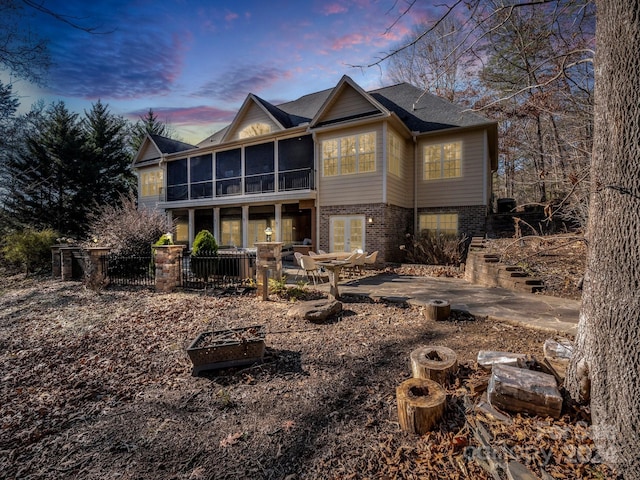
(108, 172)
(149, 124)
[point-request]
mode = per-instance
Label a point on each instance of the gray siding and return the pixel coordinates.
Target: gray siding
(347, 104)
(469, 189)
(400, 190)
(254, 114)
(351, 189)
(149, 152)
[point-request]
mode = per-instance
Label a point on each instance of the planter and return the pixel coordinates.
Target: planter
(234, 347)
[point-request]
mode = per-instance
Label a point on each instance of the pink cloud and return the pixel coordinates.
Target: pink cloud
(333, 9)
(200, 115)
(230, 16)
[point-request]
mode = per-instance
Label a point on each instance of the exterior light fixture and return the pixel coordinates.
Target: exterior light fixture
(370, 220)
(268, 232)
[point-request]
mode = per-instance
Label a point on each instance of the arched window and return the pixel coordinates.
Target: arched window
(254, 130)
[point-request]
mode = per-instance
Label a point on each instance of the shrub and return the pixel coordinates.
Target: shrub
(30, 249)
(126, 229)
(435, 249)
(204, 244)
(164, 239)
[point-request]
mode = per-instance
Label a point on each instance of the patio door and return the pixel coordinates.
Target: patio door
(346, 233)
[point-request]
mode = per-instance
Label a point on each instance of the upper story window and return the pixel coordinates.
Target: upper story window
(151, 183)
(351, 154)
(394, 154)
(177, 178)
(201, 170)
(442, 160)
(254, 130)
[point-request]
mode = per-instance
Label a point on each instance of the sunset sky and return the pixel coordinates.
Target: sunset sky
(194, 62)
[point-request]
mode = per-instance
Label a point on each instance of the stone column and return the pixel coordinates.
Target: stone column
(94, 274)
(269, 258)
(56, 261)
(168, 273)
(66, 262)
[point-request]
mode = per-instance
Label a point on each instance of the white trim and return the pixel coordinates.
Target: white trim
(347, 230)
(385, 154)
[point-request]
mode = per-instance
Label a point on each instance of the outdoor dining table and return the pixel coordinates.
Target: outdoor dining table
(333, 267)
(320, 257)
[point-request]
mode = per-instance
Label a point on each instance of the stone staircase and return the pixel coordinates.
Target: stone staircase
(486, 269)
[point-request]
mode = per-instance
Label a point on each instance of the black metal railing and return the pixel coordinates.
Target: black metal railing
(129, 270)
(222, 270)
(300, 179)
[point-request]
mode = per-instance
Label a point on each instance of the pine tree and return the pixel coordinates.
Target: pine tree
(149, 124)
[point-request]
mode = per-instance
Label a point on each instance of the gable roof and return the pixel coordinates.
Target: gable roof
(162, 146)
(420, 111)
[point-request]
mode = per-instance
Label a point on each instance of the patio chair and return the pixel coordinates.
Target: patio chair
(312, 253)
(321, 252)
(310, 268)
(297, 256)
(357, 264)
(370, 259)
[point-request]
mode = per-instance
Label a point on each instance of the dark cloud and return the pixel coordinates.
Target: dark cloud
(235, 84)
(200, 115)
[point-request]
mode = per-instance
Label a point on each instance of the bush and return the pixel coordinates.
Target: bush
(126, 229)
(435, 249)
(204, 248)
(204, 244)
(30, 249)
(164, 240)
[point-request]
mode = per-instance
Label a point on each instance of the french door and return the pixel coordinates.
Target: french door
(346, 233)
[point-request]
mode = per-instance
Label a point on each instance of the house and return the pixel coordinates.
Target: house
(339, 169)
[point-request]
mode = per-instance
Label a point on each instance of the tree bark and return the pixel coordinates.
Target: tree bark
(420, 404)
(605, 365)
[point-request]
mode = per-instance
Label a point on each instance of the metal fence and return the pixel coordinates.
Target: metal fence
(129, 270)
(222, 271)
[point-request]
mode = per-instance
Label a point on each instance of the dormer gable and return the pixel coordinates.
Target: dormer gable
(256, 117)
(347, 102)
(154, 147)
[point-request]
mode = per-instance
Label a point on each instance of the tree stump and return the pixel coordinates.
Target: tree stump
(434, 363)
(420, 404)
(437, 310)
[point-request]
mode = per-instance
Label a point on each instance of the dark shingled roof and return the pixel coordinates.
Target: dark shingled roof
(424, 112)
(421, 112)
(167, 145)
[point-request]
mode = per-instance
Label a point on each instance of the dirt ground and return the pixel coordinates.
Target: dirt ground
(98, 386)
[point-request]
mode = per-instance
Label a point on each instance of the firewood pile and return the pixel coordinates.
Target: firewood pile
(515, 424)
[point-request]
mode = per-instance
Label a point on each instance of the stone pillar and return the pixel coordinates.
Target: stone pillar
(94, 274)
(66, 262)
(56, 261)
(269, 258)
(168, 274)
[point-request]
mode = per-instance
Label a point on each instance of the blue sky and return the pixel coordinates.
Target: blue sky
(194, 62)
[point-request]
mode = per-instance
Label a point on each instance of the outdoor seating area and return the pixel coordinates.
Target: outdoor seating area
(315, 265)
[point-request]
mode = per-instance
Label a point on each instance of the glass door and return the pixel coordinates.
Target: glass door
(347, 233)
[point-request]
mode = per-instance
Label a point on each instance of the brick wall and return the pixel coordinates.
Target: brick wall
(471, 219)
(385, 233)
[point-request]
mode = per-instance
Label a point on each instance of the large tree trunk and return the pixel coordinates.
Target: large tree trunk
(608, 340)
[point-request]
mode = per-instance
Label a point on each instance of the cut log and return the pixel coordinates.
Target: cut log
(489, 358)
(491, 413)
(420, 404)
(558, 354)
(434, 363)
(478, 385)
(520, 390)
(437, 310)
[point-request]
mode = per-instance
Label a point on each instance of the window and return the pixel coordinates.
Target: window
(177, 187)
(446, 223)
(151, 183)
(201, 169)
(394, 154)
(347, 155)
(228, 171)
(442, 160)
(231, 232)
(254, 130)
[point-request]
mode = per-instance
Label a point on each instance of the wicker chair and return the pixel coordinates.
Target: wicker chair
(310, 268)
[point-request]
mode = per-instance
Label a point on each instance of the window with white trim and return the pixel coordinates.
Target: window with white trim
(445, 223)
(254, 130)
(350, 154)
(442, 160)
(394, 154)
(151, 183)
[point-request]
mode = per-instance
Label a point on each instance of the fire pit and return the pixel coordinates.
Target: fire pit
(233, 347)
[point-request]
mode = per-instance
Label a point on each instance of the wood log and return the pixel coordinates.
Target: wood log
(519, 390)
(420, 404)
(558, 354)
(437, 310)
(434, 363)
